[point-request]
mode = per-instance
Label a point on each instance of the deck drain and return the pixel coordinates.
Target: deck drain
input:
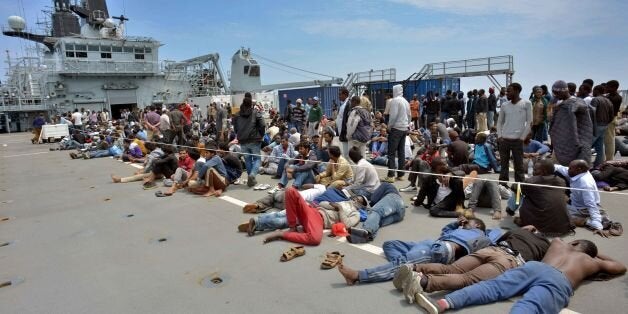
(3, 244)
(162, 240)
(130, 215)
(8, 282)
(4, 219)
(213, 281)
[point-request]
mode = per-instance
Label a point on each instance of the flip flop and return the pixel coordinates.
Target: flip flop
(333, 258)
(292, 253)
(161, 194)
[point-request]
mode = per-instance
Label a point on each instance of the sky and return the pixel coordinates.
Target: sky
(549, 39)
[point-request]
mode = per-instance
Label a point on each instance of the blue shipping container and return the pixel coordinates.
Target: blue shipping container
(326, 95)
(377, 91)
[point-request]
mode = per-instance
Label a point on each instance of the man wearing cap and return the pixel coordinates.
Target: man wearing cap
(513, 125)
(398, 122)
(314, 117)
(571, 128)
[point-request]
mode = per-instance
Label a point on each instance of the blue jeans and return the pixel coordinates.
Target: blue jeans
(99, 153)
(380, 161)
(300, 178)
(598, 144)
(252, 159)
(281, 165)
(490, 119)
(545, 290)
(387, 211)
(271, 221)
(399, 252)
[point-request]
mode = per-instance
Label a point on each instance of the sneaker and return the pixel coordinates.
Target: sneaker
(257, 187)
(389, 180)
(427, 303)
(401, 276)
(251, 182)
(73, 155)
(412, 287)
(359, 232)
(409, 188)
(237, 182)
(275, 189)
(264, 187)
(414, 198)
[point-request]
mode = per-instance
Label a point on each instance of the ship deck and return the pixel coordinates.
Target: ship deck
(80, 244)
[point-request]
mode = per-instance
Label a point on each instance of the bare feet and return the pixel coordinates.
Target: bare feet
(116, 179)
(217, 193)
(497, 215)
(277, 235)
(351, 276)
(250, 208)
(209, 193)
(610, 188)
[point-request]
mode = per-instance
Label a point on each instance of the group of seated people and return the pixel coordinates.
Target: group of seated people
(319, 188)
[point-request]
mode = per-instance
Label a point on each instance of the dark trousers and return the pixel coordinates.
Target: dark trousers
(445, 208)
(396, 146)
(514, 146)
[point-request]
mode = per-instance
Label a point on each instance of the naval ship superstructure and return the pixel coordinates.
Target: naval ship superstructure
(86, 61)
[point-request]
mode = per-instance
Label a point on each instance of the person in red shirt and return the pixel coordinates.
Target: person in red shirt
(187, 112)
(187, 160)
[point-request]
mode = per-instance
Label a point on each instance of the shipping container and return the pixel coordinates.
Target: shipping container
(378, 91)
(327, 97)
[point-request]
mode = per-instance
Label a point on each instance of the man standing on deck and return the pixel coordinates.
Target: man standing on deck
(314, 117)
(341, 121)
(609, 139)
(398, 121)
(513, 125)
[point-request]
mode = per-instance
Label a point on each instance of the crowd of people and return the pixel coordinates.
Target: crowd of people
(560, 141)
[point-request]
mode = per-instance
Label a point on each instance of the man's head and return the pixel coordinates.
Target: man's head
(359, 199)
(314, 100)
(334, 152)
(293, 130)
(588, 81)
(355, 155)
(277, 139)
(355, 101)
(343, 94)
(383, 131)
(571, 86)
(538, 92)
(304, 148)
(474, 223)
(612, 86)
(210, 150)
(577, 167)
(439, 165)
(584, 246)
(285, 142)
(328, 135)
(480, 138)
(543, 167)
(584, 90)
(560, 90)
(513, 91)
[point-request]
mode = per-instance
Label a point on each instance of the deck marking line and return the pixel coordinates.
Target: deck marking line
(29, 154)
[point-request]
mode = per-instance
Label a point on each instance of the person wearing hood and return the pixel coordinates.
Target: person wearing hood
(250, 127)
(359, 128)
(398, 122)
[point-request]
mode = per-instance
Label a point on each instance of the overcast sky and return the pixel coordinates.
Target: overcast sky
(550, 39)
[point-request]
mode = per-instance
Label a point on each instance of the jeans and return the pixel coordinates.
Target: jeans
(344, 148)
(389, 210)
(443, 117)
(300, 178)
(271, 221)
(380, 161)
(598, 144)
(396, 148)
(399, 252)
(545, 290)
(490, 119)
(252, 159)
(99, 153)
(506, 146)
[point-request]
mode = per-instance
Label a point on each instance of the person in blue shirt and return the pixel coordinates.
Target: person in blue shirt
(584, 208)
(213, 172)
(484, 155)
(459, 238)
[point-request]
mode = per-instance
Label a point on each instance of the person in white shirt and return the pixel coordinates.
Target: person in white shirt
(365, 178)
(398, 122)
(77, 119)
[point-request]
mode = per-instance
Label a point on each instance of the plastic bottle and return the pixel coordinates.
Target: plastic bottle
(530, 168)
(617, 155)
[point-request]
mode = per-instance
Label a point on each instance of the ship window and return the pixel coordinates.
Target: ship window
(147, 50)
(80, 48)
(253, 61)
(105, 48)
(105, 55)
(128, 49)
(246, 69)
(69, 46)
(139, 50)
(81, 54)
(254, 71)
(93, 48)
(139, 56)
(69, 54)
(116, 49)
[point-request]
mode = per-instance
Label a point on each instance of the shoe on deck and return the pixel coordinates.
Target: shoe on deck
(409, 188)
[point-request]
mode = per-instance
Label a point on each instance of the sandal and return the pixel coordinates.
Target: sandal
(333, 258)
(162, 194)
(292, 253)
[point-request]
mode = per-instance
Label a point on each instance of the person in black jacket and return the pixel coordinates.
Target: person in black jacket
(250, 128)
(444, 194)
(492, 108)
(164, 166)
